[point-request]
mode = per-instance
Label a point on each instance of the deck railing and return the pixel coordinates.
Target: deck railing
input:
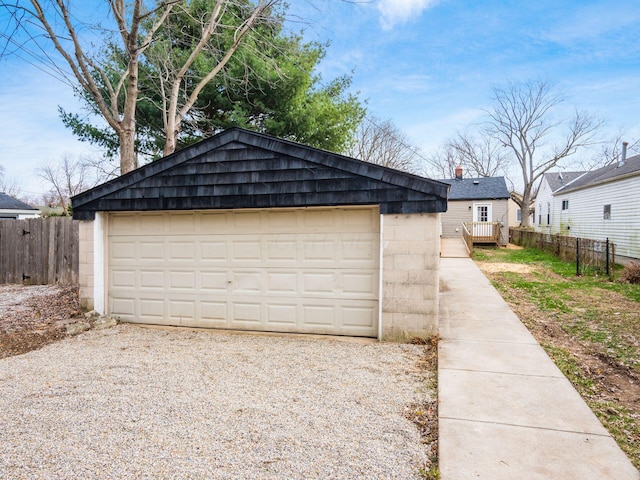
(481, 232)
(466, 236)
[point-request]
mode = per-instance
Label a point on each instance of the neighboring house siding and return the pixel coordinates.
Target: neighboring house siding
(543, 198)
(460, 211)
(514, 221)
(585, 214)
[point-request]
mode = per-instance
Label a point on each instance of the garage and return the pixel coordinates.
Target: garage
(290, 270)
(245, 231)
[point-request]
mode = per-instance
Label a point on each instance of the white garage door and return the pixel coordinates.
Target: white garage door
(284, 270)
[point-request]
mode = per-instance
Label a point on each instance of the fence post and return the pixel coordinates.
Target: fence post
(577, 256)
(607, 252)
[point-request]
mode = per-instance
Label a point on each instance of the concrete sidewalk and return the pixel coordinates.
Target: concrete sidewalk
(506, 411)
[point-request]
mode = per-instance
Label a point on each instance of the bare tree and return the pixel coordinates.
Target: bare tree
(10, 187)
(115, 93)
(522, 121)
(442, 163)
(480, 157)
(381, 142)
(609, 153)
(67, 178)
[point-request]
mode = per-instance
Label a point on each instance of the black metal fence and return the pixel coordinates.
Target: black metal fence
(592, 257)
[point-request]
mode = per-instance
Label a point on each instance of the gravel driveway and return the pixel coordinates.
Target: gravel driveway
(132, 402)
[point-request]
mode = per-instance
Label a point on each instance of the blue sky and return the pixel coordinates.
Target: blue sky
(427, 65)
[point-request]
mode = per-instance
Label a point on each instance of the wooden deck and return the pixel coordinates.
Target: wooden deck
(481, 232)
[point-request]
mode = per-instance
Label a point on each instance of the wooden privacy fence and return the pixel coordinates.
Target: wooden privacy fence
(590, 256)
(39, 251)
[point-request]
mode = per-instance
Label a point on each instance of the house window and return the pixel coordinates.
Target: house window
(548, 214)
(565, 204)
(483, 213)
(540, 214)
(519, 215)
(607, 212)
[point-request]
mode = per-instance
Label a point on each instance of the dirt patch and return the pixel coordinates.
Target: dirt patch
(507, 267)
(593, 334)
(425, 415)
(34, 316)
(613, 381)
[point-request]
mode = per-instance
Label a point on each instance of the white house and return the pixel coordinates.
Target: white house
(546, 212)
(14, 209)
(601, 204)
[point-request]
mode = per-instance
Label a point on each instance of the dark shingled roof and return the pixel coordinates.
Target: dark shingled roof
(242, 169)
(10, 203)
(482, 188)
(557, 180)
(606, 174)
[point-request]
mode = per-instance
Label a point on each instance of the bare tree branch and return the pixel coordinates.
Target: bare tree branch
(381, 142)
(522, 121)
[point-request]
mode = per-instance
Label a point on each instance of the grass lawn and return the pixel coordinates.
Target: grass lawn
(590, 327)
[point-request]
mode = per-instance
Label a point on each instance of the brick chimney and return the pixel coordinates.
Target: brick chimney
(459, 172)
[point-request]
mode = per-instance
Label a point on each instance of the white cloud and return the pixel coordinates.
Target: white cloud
(399, 11)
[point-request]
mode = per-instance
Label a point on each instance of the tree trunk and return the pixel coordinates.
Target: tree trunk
(128, 160)
(127, 135)
(526, 203)
(171, 129)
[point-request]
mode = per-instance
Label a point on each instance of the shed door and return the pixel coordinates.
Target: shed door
(283, 270)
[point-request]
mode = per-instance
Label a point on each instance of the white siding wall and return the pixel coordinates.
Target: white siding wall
(543, 198)
(585, 215)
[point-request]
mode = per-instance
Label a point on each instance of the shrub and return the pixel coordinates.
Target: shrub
(631, 273)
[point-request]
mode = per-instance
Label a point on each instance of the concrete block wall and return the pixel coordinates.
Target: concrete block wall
(410, 265)
(86, 264)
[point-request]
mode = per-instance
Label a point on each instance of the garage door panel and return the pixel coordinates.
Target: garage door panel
(359, 316)
(320, 221)
(152, 308)
(123, 250)
(182, 311)
(317, 315)
(151, 250)
(151, 279)
(214, 282)
(245, 312)
(282, 314)
(319, 283)
(279, 250)
(359, 250)
(248, 282)
(246, 251)
(214, 251)
(183, 223)
(360, 283)
(283, 221)
(123, 278)
(289, 270)
(182, 280)
(181, 250)
(126, 307)
(247, 222)
(214, 312)
(282, 283)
